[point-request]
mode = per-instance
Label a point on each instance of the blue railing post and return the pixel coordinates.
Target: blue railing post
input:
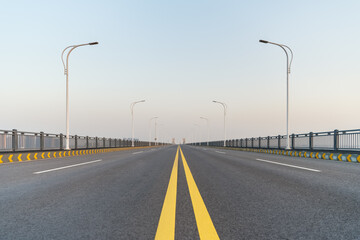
(14, 140)
(336, 140)
(259, 142)
(311, 140)
(42, 141)
(76, 141)
(279, 142)
(61, 141)
(293, 141)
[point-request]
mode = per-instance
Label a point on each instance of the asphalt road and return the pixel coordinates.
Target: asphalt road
(124, 195)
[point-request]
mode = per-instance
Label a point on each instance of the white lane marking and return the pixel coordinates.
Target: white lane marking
(220, 152)
(204, 149)
(70, 166)
(288, 165)
(138, 152)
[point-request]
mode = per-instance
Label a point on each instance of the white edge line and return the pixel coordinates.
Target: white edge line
(288, 165)
(220, 152)
(70, 166)
(138, 152)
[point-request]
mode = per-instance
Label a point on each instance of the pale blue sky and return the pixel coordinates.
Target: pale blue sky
(179, 56)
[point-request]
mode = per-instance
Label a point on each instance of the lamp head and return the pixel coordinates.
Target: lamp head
(263, 41)
(93, 43)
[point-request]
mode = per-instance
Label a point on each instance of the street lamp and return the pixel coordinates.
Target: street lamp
(288, 66)
(225, 108)
(132, 120)
(66, 72)
(150, 129)
(207, 123)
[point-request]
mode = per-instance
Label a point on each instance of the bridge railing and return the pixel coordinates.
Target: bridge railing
(17, 141)
(337, 140)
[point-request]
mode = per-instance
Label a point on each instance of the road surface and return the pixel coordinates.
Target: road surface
(186, 193)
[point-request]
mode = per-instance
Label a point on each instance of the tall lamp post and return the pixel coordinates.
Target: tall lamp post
(225, 108)
(287, 50)
(150, 129)
(207, 123)
(132, 120)
(66, 72)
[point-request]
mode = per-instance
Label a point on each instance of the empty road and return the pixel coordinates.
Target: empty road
(183, 192)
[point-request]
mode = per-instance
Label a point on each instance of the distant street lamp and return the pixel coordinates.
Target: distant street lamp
(288, 66)
(207, 123)
(225, 108)
(132, 120)
(150, 129)
(66, 72)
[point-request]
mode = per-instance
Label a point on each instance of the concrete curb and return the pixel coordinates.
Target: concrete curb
(343, 157)
(26, 156)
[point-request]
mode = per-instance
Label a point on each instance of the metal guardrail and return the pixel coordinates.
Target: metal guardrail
(337, 140)
(17, 141)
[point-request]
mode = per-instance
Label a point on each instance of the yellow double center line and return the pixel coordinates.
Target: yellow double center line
(166, 226)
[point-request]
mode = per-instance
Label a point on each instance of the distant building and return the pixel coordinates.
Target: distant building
(183, 141)
(173, 141)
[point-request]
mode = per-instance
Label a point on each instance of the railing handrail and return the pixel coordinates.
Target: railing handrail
(16, 141)
(339, 140)
(306, 134)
